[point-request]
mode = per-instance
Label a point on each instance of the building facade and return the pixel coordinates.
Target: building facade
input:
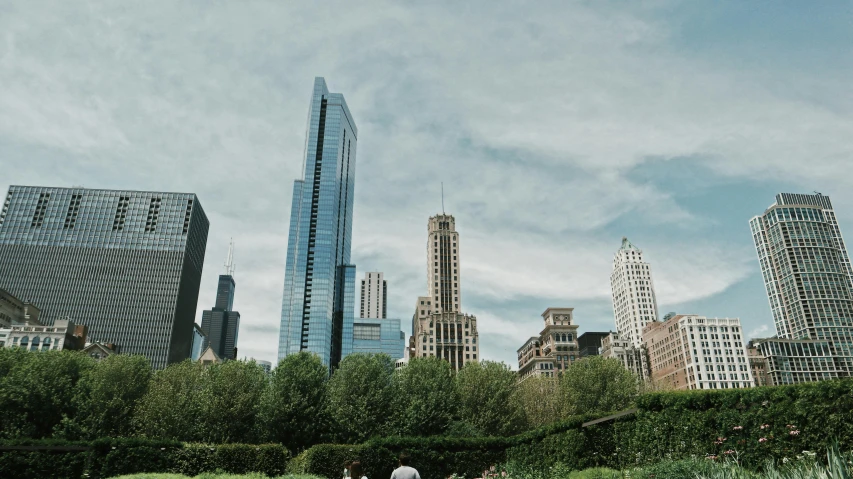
(373, 335)
(695, 352)
(634, 301)
(634, 359)
(221, 325)
(63, 334)
(318, 300)
(589, 343)
(199, 342)
(125, 263)
(809, 283)
(554, 350)
(374, 296)
(439, 328)
(13, 310)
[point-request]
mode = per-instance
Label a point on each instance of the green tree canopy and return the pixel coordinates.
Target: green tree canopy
(425, 398)
(173, 406)
(37, 391)
(231, 400)
(106, 397)
(488, 398)
(293, 406)
(540, 400)
(597, 385)
(359, 396)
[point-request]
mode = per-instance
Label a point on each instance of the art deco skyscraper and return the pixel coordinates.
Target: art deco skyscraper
(127, 264)
(809, 282)
(319, 281)
(634, 302)
(438, 327)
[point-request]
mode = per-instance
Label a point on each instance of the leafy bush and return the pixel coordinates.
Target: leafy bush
(194, 459)
(596, 473)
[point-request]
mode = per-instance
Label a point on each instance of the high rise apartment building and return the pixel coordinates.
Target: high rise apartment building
(438, 327)
(634, 302)
(554, 350)
(374, 291)
(318, 301)
(695, 352)
(221, 324)
(809, 282)
(127, 264)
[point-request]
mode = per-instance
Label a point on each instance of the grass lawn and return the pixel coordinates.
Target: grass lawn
(211, 475)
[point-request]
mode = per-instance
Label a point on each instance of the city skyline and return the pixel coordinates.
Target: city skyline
(670, 124)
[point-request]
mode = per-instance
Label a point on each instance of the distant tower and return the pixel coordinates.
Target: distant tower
(374, 299)
(220, 324)
(634, 302)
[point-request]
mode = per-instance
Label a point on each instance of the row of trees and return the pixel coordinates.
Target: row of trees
(68, 395)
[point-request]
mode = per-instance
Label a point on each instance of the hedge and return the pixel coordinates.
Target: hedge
(107, 458)
(666, 426)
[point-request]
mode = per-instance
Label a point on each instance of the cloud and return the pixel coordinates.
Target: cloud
(535, 117)
(760, 332)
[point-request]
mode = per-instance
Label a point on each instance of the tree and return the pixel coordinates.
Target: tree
(37, 392)
(106, 397)
(597, 385)
(172, 407)
(359, 397)
(488, 398)
(231, 398)
(293, 406)
(425, 398)
(539, 399)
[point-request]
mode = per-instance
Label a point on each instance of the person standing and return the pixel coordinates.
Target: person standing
(355, 471)
(404, 471)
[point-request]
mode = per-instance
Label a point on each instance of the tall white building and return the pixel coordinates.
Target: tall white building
(438, 327)
(373, 296)
(634, 302)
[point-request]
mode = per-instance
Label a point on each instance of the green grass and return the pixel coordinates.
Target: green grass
(211, 475)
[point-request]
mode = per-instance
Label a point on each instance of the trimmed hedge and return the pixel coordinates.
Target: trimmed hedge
(107, 458)
(667, 426)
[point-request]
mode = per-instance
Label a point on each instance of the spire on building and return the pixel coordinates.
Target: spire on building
(230, 265)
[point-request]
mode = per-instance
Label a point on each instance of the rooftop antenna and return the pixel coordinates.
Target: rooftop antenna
(818, 193)
(230, 266)
(442, 197)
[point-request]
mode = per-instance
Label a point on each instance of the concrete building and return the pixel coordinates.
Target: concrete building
(318, 301)
(99, 351)
(125, 263)
(554, 350)
(63, 334)
(589, 343)
(809, 283)
(13, 310)
(634, 359)
(374, 296)
(634, 302)
(695, 352)
(208, 357)
(758, 366)
(438, 327)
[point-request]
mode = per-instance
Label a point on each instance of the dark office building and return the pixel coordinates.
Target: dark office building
(221, 324)
(588, 343)
(125, 263)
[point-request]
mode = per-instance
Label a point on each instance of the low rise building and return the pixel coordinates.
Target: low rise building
(634, 359)
(63, 334)
(792, 361)
(374, 335)
(14, 310)
(758, 366)
(695, 352)
(99, 351)
(554, 350)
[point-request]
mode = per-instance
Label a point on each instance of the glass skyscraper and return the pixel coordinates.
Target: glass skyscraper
(809, 282)
(127, 264)
(318, 302)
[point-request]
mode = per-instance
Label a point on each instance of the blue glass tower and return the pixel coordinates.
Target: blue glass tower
(319, 282)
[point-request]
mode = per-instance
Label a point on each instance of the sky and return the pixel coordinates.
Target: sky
(557, 128)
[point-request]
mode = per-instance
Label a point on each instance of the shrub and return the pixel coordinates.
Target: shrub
(596, 473)
(194, 459)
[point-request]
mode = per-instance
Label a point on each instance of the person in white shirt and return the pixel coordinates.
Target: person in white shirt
(404, 471)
